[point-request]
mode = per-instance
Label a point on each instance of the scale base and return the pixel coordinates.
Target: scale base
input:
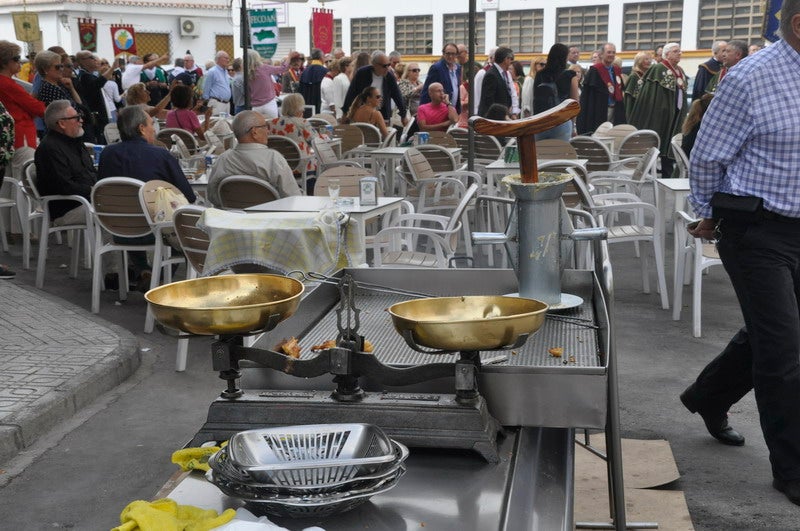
(416, 420)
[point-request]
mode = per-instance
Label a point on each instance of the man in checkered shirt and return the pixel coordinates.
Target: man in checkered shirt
(749, 147)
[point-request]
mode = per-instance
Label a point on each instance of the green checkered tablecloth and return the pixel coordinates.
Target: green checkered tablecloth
(283, 241)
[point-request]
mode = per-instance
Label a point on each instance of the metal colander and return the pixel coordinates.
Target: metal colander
(313, 455)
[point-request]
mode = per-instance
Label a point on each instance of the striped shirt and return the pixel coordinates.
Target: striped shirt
(749, 140)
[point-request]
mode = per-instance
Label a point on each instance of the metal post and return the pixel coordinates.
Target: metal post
(471, 88)
(245, 38)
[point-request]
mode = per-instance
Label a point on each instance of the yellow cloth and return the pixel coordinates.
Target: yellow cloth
(194, 458)
(283, 241)
(167, 515)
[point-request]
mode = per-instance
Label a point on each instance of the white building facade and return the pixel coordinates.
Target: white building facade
(416, 28)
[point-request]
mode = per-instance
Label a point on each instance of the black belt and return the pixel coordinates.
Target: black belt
(221, 101)
(779, 217)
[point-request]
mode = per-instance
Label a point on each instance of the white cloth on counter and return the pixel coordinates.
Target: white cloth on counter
(247, 521)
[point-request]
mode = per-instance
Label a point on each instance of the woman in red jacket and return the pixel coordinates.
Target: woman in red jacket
(22, 106)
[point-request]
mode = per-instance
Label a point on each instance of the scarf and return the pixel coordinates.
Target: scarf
(615, 86)
(679, 83)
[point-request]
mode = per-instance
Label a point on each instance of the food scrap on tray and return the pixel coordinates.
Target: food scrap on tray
(556, 352)
(290, 347)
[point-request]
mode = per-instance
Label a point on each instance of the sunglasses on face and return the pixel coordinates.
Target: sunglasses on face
(387, 65)
(58, 67)
(77, 117)
(413, 69)
(541, 64)
(16, 58)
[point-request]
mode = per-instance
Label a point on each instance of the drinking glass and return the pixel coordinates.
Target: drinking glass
(333, 190)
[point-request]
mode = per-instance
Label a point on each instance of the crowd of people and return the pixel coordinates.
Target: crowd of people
(376, 88)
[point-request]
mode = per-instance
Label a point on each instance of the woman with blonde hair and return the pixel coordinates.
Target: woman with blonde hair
(292, 124)
(411, 87)
(365, 110)
(137, 94)
(641, 62)
(262, 85)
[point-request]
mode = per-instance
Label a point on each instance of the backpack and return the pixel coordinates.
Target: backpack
(545, 96)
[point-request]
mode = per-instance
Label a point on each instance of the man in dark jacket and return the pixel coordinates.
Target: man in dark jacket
(708, 70)
(446, 71)
(602, 95)
(497, 85)
(90, 87)
(311, 80)
(377, 74)
(63, 165)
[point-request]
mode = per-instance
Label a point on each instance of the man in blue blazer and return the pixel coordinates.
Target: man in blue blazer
(446, 71)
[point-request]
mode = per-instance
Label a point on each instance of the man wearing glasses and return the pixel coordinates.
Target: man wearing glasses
(63, 164)
(377, 75)
(251, 156)
(447, 72)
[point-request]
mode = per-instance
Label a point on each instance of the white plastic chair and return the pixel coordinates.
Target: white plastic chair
(244, 191)
(636, 230)
(118, 211)
(86, 228)
(681, 159)
(699, 256)
(194, 242)
(111, 132)
(372, 135)
(10, 204)
(396, 245)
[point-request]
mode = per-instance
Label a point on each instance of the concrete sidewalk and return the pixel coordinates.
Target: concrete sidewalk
(55, 358)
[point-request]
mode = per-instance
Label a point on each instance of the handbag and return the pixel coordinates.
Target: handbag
(166, 202)
(747, 208)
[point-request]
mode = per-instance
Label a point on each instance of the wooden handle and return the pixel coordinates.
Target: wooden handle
(524, 129)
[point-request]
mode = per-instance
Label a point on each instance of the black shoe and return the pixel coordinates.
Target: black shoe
(791, 488)
(6, 272)
(716, 424)
(111, 281)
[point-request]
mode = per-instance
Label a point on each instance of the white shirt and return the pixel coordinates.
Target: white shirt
(340, 85)
(327, 95)
(131, 75)
(477, 85)
(110, 96)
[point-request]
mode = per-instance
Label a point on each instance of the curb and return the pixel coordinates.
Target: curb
(20, 430)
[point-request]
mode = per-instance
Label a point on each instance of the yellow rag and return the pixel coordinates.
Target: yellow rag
(167, 515)
(194, 458)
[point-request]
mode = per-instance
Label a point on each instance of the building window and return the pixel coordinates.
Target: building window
(728, 20)
(157, 43)
(521, 30)
(337, 34)
(414, 35)
(455, 29)
(586, 27)
(652, 24)
(225, 43)
(367, 34)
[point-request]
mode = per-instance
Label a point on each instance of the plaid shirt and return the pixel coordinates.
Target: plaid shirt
(749, 140)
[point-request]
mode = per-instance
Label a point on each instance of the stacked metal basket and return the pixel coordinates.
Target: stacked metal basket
(304, 471)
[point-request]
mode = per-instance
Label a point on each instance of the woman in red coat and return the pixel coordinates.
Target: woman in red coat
(22, 106)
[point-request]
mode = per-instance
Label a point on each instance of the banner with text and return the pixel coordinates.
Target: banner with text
(87, 32)
(322, 29)
(264, 31)
(123, 39)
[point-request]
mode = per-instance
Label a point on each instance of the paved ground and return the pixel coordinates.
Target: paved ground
(88, 466)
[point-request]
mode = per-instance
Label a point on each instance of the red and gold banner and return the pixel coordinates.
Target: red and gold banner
(322, 29)
(87, 32)
(123, 39)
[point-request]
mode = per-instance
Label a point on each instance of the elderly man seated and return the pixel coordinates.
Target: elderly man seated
(138, 158)
(252, 157)
(439, 114)
(63, 165)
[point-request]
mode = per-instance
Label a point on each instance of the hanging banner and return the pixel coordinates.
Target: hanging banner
(26, 26)
(264, 31)
(122, 37)
(769, 28)
(322, 29)
(87, 32)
